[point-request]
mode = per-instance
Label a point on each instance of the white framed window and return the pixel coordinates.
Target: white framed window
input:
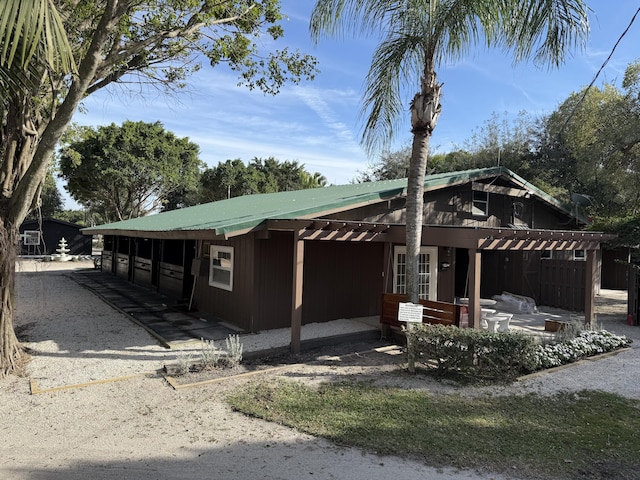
(221, 267)
(546, 255)
(480, 206)
(31, 237)
(580, 255)
(427, 272)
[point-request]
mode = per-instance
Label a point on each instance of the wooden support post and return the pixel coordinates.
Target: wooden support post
(296, 296)
(590, 288)
(475, 312)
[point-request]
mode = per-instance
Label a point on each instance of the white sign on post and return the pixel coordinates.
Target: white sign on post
(410, 312)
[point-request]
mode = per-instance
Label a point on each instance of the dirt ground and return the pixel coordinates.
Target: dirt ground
(101, 410)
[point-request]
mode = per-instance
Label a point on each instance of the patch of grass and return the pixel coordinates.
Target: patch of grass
(586, 435)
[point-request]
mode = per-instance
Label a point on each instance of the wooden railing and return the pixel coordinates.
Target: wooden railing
(434, 312)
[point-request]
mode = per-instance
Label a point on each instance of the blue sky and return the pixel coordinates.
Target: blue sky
(318, 124)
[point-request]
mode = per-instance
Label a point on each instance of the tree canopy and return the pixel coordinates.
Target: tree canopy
(128, 171)
(98, 43)
(156, 43)
(592, 146)
(233, 178)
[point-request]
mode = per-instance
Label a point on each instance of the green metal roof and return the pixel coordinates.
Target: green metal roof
(239, 214)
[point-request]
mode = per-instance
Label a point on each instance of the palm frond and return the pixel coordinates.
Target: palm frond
(397, 63)
(419, 35)
(336, 17)
(30, 26)
(544, 29)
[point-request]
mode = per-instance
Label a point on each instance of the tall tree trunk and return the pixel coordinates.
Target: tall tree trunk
(415, 204)
(11, 353)
(425, 110)
(32, 153)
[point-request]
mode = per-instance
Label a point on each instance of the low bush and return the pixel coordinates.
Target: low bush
(472, 352)
(585, 344)
(211, 357)
(504, 356)
(234, 349)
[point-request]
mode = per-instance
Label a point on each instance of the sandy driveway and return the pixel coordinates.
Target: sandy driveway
(140, 428)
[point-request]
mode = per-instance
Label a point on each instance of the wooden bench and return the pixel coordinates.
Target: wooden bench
(434, 312)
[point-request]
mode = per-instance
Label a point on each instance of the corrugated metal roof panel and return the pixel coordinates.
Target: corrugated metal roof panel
(239, 214)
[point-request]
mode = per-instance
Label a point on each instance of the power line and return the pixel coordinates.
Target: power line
(604, 64)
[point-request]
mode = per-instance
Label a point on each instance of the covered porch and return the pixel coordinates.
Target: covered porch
(475, 240)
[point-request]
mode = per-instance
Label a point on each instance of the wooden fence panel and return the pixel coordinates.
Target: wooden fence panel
(562, 284)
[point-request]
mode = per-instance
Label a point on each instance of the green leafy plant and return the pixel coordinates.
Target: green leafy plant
(585, 344)
(479, 354)
(184, 364)
(569, 331)
(234, 349)
(210, 356)
(451, 350)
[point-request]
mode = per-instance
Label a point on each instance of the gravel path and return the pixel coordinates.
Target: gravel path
(140, 428)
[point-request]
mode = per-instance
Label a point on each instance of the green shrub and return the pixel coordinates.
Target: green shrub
(585, 343)
(477, 353)
(211, 356)
(472, 352)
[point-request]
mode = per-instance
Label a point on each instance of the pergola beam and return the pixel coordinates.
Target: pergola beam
(484, 238)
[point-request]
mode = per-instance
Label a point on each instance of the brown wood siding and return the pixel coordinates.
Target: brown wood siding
(452, 206)
(562, 284)
(234, 306)
(107, 261)
(495, 271)
(342, 280)
(174, 268)
(514, 272)
(274, 278)
(390, 211)
(531, 275)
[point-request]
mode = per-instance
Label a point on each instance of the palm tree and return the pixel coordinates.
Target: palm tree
(31, 29)
(312, 180)
(419, 35)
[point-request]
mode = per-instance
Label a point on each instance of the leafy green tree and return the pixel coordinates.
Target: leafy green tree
(156, 42)
(312, 180)
(390, 165)
(395, 164)
(228, 179)
(233, 178)
(591, 145)
(276, 176)
(503, 141)
(79, 217)
(417, 37)
(128, 171)
(451, 162)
